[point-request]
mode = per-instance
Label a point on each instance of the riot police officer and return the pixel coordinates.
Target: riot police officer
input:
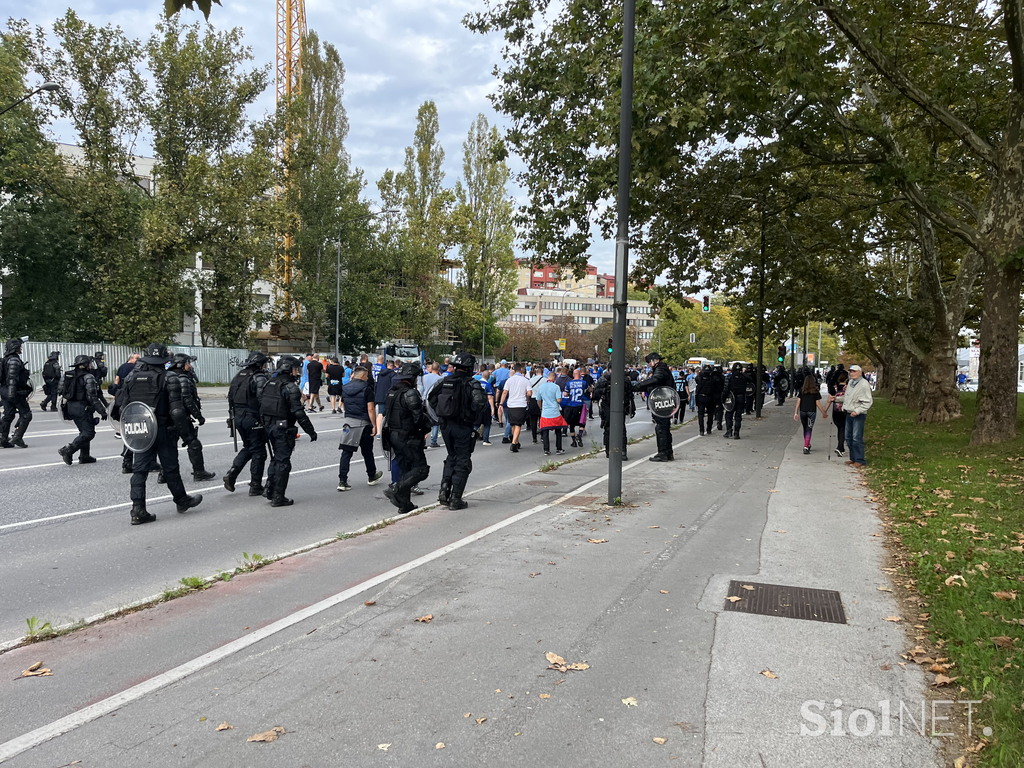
(244, 400)
(718, 392)
(101, 367)
(14, 392)
(602, 396)
(405, 427)
(280, 409)
(705, 387)
(185, 406)
(780, 383)
(147, 383)
(52, 375)
(460, 403)
(737, 393)
(81, 391)
(660, 376)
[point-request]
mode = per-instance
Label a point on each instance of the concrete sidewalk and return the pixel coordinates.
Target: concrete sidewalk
(637, 592)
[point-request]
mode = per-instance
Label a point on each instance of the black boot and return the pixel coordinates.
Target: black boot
(457, 502)
(392, 496)
(85, 458)
(278, 498)
(229, 479)
(256, 490)
(67, 454)
(445, 494)
(659, 457)
(19, 433)
(160, 477)
(728, 435)
(186, 503)
(140, 515)
(201, 475)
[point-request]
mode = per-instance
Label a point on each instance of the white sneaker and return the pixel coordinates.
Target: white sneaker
(375, 479)
(344, 487)
(485, 442)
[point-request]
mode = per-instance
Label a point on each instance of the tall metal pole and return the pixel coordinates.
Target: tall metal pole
(617, 428)
(792, 352)
(818, 360)
(337, 303)
(758, 401)
(807, 325)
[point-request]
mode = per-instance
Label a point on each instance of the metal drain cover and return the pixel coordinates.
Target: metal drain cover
(541, 482)
(787, 602)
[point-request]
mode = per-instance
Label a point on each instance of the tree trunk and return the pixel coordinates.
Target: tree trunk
(900, 378)
(941, 397)
(996, 421)
(915, 387)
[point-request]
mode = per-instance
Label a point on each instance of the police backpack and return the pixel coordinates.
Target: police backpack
(453, 399)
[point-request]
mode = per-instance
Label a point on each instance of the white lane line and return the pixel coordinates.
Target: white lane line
(99, 709)
(118, 456)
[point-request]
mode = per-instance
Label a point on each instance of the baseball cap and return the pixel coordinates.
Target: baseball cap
(855, 368)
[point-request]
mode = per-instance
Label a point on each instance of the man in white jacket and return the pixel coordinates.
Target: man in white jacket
(856, 403)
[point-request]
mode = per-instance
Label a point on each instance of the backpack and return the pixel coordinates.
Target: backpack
(146, 386)
(67, 385)
(453, 399)
(272, 406)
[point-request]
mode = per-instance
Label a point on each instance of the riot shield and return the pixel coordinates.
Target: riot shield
(138, 427)
(663, 402)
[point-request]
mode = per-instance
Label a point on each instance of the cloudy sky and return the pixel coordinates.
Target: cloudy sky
(397, 53)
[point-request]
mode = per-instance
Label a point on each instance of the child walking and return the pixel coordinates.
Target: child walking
(808, 403)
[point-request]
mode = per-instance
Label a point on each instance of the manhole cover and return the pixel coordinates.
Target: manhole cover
(787, 602)
(580, 501)
(541, 482)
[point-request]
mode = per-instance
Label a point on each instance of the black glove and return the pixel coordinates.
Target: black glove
(103, 415)
(312, 436)
(201, 420)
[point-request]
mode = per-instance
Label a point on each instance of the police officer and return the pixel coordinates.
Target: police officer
(704, 386)
(460, 403)
(14, 392)
(244, 401)
(82, 393)
(185, 406)
(718, 392)
(780, 383)
(737, 387)
(280, 409)
(147, 383)
(52, 375)
(660, 376)
(101, 367)
(602, 396)
(405, 427)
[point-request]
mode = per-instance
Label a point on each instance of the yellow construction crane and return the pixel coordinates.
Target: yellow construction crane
(291, 31)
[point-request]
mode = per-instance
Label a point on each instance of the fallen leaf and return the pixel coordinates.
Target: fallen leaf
(683, 726)
(960, 762)
(39, 672)
(748, 587)
(370, 602)
(1003, 641)
(545, 695)
(425, 619)
(893, 618)
(773, 490)
(34, 667)
(439, 745)
(554, 658)
(1004, 595)
(664, 591)
(780, 531)
(884, 589)
(225, 726)
(659, 740)
(267, 736)
(467, 714)
(598, 541)
(938, 668)
(481, 720)
(630, 702)
(769, 674)
(559, 682)
(535, 573)
(383, 747)
(578, 666)
(885, 667)
(733, 598)
(943, 680)
(654, 526)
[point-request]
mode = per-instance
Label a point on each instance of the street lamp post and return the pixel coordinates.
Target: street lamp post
(562, 336)
(337, 289)
(30, 94)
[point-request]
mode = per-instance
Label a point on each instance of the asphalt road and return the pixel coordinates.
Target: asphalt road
(67, 551)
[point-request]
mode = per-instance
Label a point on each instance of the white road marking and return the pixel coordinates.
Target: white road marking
(105, 706)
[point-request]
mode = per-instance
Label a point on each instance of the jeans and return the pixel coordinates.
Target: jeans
(855, 436)
(433, 436)
(485, 431)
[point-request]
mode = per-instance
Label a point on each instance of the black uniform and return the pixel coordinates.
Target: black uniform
(751, 375)
(405, 427)
(660, 376)
(681, 387)
(602, 396)
(463, 398)
(14, 392)
(185, 406)
(780, 384)
(52, 374)
(718, 391)
(81, 392)
(737, 388)
(704, 384)
(280, 409)
(244, 400)
(148, 384)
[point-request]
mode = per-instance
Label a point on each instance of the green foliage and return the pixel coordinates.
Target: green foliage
(37, 630)
(716, 334)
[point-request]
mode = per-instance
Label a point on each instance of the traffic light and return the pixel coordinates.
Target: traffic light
(782, 353)
(609, 346)
(707, 303)
(513, 351)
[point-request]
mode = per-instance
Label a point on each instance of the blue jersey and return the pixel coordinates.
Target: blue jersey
(377, 368)
(574, 393)
(488, 389)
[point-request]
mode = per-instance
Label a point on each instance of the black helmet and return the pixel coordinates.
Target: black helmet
(14, 345)
(54, 355)
(289, 364)
(256, 358)
(413, 370)
(653, 356)
(464, 360)
(98, 355)
(156, 354)
(179, 360)
(83, 360)
(737, 368)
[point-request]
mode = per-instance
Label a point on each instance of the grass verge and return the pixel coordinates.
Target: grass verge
(956, 522)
